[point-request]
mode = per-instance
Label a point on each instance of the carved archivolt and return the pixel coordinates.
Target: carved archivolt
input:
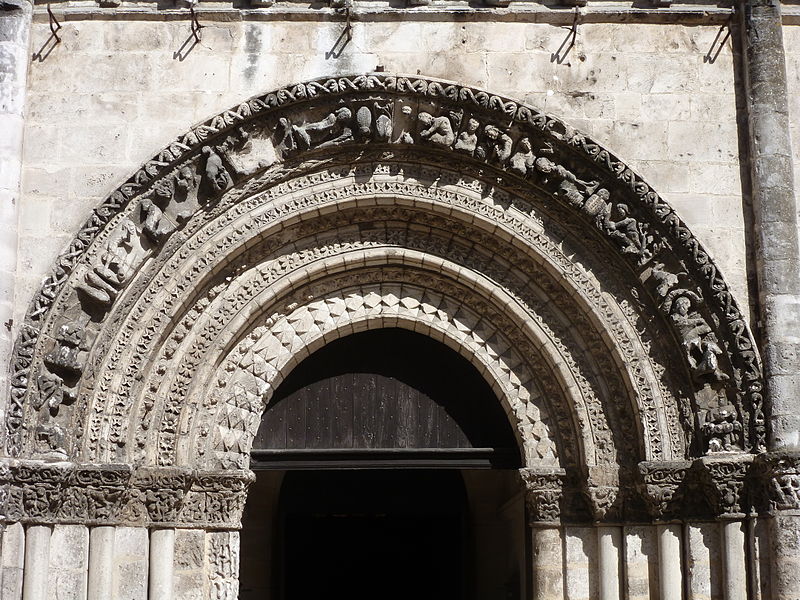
(658, 345)
(259, 363)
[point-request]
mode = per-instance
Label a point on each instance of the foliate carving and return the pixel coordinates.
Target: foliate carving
(38, 492)
(568, 165)
(724, 481)
(662, 487)
(543, 490)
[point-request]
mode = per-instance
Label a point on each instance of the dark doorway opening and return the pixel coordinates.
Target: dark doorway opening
(366, 534)
(386, 468)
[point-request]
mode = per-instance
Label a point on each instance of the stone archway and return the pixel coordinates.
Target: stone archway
(148, 356)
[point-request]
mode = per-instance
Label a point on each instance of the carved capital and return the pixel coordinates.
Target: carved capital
(543, 492)
(661, 487)
(603, 494)
(778, 481)
(723, 480)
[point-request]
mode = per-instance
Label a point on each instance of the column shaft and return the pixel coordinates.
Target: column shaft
(733, 560)
(162, 551)
(670, 576)
(37, 561)
(101, 563)
(547, 563)
(609, 549)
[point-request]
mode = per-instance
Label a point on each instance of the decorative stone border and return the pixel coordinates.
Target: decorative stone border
(35, 492)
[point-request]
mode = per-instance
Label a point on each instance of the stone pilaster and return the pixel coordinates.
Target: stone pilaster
(775, 217)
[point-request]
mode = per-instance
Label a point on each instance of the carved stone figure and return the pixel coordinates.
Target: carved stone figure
(383, 123)
(332, 130)
(665, 280)
(156, 225)
(284, 137)
(64, 357)
(722, 429)
(53, 392)
(626, 230)
(698, 339)
(438, 130)
(523, 160)
(467, 140)
(405, 136)
(498, 145)
(216, 174)
(110, 273)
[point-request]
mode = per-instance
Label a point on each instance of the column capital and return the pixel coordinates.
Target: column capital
(723, 479)
(543, 488)
(662, 487)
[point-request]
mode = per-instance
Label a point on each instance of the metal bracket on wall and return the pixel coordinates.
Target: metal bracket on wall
(196, 26)
(719, 42)
(54, 25)
(559, 55)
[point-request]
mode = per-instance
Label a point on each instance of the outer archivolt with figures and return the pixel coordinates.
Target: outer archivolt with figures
(608, 337)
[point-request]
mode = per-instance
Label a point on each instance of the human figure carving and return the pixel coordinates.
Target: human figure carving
(467, 140)
(665, 280)
(438, 130)
(627, 230)
(332, 130)
(523, 160)
(499, 145)
(52, 391)
(111, 272)
(698, 339)
(64, 356)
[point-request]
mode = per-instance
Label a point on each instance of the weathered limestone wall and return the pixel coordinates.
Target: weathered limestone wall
(15, 18)
(116, 91)
(791, 46)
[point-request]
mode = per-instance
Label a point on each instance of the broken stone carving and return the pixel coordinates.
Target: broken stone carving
(156, 223)
(217, 176)
(722, 429)
(65, 356)
(332, 130)
(114, 266)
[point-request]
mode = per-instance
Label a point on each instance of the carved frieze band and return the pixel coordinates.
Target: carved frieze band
(37, 492)
(520, 147)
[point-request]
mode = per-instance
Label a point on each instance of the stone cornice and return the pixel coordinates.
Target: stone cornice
(119, 494)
